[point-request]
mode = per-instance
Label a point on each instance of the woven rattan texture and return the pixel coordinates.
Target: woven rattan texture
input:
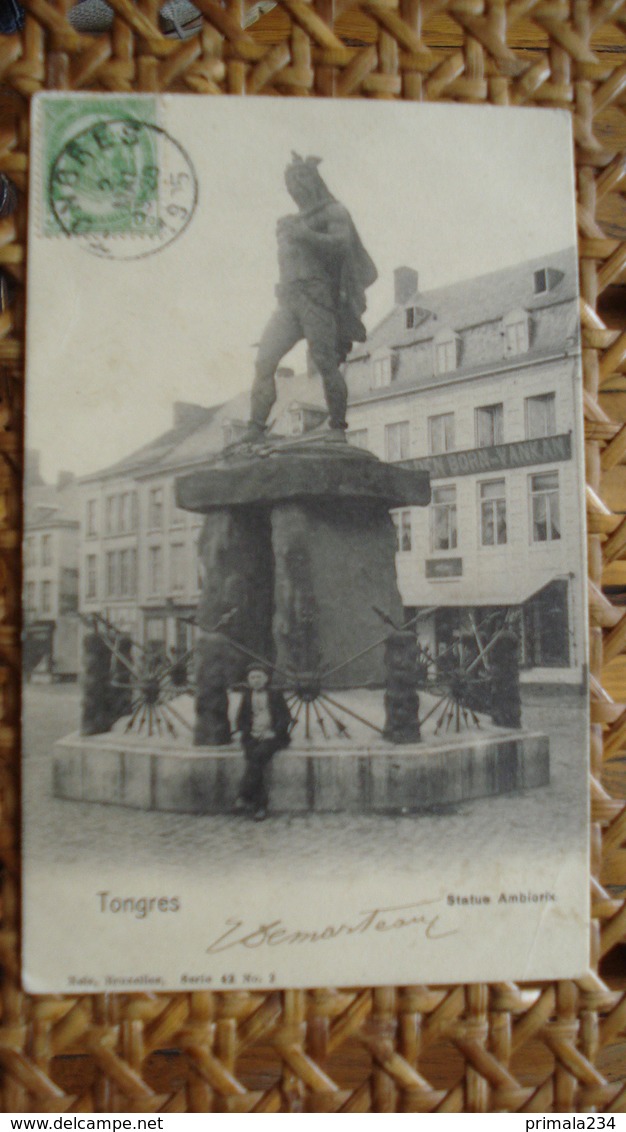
(500, 1047)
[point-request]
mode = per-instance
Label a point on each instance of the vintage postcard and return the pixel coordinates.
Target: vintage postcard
(305, 647)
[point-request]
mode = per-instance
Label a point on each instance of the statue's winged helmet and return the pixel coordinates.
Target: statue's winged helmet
(357, 272)
(305, 170)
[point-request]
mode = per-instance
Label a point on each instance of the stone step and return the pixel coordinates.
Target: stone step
(141, 775)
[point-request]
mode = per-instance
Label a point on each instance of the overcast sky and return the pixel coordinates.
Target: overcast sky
(453, 191)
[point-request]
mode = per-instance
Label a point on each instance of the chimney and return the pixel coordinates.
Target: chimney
(404, 284)
(64, 479)
(186, 414)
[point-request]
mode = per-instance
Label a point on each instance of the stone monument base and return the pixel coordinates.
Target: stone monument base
(356, 778)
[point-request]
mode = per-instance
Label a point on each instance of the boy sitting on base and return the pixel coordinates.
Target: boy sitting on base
(263, 721)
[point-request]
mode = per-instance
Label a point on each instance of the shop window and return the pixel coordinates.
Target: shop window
(156, 631)
(545, 507)
(545, 620)
(443, 518)
(447, 628)
(492, 513)
(402, 524)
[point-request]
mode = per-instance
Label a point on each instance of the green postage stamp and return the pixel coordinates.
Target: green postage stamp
(112, 178)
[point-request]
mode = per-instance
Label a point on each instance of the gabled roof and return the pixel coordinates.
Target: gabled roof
(194, 441)
(38, 496)
(41, 518)
(48, 505)
(151, 456)
(483, 369)
(204, 440)
(306, 406)
(209, 438)
(472, 302)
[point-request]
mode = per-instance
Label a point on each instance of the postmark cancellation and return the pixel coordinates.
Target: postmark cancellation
(112, 178)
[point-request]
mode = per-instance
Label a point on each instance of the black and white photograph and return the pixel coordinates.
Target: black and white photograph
(305, 665)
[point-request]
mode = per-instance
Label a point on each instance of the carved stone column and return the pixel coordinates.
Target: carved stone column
(97, 714)
(506, 700)
(235, 554)
(333, 563)
(401, 698)
(299, 541)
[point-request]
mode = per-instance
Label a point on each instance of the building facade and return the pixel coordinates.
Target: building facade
(480, 382)
(138, 556)
(50, 575)
(139, 562)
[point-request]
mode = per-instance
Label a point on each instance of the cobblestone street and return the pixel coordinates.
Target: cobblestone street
(59, 831)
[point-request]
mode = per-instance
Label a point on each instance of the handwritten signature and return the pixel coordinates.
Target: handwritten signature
(276, 933)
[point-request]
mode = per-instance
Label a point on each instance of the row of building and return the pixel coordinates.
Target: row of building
(480, 382)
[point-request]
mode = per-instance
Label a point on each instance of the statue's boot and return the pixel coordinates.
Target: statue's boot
(326, 432)
(255, 434)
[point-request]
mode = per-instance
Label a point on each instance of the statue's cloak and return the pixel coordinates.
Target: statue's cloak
(354, 270)
(358, 272)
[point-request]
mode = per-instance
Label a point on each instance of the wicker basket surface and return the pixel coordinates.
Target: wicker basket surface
(501, 1047)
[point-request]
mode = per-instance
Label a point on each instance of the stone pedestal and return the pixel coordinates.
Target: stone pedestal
(237, 585)
(127, 771)
(298, 546)
(332, 566)
(237, 575)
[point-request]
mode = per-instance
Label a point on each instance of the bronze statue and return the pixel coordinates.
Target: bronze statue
(324, 271)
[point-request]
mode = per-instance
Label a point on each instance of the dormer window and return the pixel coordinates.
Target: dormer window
(382, 372)
(232, 431)
(382, 369)
(414, 316)
(296, 422)
(541, 281)
(302, 417)
(516, 332)
(447, 351)
(546, 279)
